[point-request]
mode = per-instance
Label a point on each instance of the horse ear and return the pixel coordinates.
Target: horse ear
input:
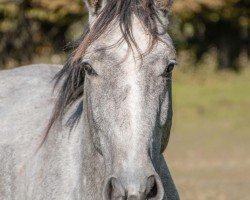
(164, 5)
(94, 7)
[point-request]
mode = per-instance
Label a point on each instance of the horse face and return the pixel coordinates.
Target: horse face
(127, 106)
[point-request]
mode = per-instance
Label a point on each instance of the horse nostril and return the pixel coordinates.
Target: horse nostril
(113, 189)
(154, 188)
(151, 187)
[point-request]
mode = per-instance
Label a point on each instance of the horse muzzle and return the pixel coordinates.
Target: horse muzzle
(133, 188)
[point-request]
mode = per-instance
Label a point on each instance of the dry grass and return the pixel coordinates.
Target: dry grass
(210, 143)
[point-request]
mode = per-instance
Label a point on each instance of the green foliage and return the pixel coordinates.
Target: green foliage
(222, 25)
(31, 28)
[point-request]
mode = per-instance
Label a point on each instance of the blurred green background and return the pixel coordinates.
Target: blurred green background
(210, 143)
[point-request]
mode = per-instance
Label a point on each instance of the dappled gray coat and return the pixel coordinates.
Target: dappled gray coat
(101, 132)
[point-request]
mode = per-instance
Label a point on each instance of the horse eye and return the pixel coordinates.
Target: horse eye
(169, 67)
(88, 69)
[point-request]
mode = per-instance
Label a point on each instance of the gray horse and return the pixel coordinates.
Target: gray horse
(100, 131)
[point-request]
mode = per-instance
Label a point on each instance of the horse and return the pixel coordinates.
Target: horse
(95, 128)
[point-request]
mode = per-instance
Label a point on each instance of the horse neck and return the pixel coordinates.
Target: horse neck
(73, 155)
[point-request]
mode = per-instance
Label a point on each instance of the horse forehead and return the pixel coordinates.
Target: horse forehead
(140, 35)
